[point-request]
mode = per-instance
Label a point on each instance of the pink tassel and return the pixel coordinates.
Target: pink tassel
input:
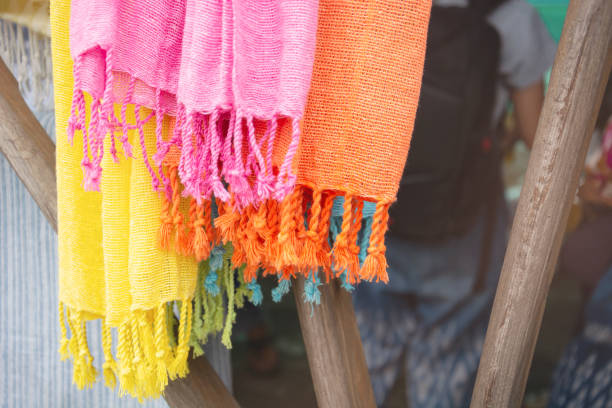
(202, 158)
(264, 185)
(101, 124)
(91, 171)
(286, 178)
(187, 165)
(113, 147)
(127, 147)
(145, 156)
(272, 129)
(159, 123)
(77, 109)
(236, 176)
(227, 146)
(215, 150)
(107, 108)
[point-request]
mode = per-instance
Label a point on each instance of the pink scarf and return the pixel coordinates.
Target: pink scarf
(217, 66)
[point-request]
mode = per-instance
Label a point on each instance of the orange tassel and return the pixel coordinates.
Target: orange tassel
(226, 222)
(250, 273)
(352, 241)
(287, 272)
(341, 251)
(287, 237)
(271, 244)
(200, 244)
(269, 271)
(253, 249)
(375, 265)
(324, 251)
(238, 256)
(259, 222)
(301, 235)
(311, 242)
(213, 238)
(180, 242)
(193, 215)
(167, 227)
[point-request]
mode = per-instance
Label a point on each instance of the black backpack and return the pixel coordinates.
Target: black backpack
(453, 164)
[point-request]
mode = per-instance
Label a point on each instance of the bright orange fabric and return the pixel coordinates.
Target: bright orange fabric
(356, 135)
(364, 95)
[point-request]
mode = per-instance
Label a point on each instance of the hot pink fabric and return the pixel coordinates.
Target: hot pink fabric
(214, 64)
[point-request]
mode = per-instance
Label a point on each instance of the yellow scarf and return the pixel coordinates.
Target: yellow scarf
(110, 264)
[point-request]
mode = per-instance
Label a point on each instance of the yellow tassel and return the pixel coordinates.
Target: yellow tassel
(145, 327)
(228, 275)
(84, 372)
(141, 369)
(179, 365)
(109, 368)
(63, 349)
(73, 348)
(124, 355)
(162, 346)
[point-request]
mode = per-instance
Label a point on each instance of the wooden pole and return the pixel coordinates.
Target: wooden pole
(202, 388)
(335, 354)
(31, 153)
(579, 75)
(27, 147)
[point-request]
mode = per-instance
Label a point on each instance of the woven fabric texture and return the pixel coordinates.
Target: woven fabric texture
(364, 95)
(248, 131)
(153, 301)
(101, 235)
(355, 139)
(250, 60)
(105, 247)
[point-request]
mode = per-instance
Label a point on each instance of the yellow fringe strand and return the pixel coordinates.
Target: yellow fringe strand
(145, 359)
(109, 368)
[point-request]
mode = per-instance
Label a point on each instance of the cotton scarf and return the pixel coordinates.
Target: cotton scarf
(245, 134)
(205, 63)
(356, 135)
(113, 269)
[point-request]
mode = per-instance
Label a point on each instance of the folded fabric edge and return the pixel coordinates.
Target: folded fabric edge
(283, 239)
(150, 348)
(210, 143)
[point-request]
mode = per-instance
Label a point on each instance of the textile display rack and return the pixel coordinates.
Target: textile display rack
(337, 363)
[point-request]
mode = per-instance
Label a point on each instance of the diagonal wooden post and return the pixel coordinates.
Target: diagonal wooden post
(31, 153)
(579, 75)
(335, 354)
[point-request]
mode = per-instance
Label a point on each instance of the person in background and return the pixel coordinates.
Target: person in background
(583, 377)
(448, 229)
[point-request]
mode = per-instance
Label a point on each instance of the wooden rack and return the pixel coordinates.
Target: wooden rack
(334, 349)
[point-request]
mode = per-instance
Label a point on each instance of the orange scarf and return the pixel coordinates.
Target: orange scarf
(356, 135)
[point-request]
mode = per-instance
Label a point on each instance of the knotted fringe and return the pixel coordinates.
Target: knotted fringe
(144, 357)
(150, 350)
(293, 237)
(375, 265)
(282, 239)
(210, 144)
(189, 233)
(172, 232)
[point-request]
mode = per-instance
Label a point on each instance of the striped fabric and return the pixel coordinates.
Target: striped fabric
(32, 374)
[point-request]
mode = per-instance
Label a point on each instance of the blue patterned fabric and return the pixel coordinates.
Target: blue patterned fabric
(583, 377)
(428, 321)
